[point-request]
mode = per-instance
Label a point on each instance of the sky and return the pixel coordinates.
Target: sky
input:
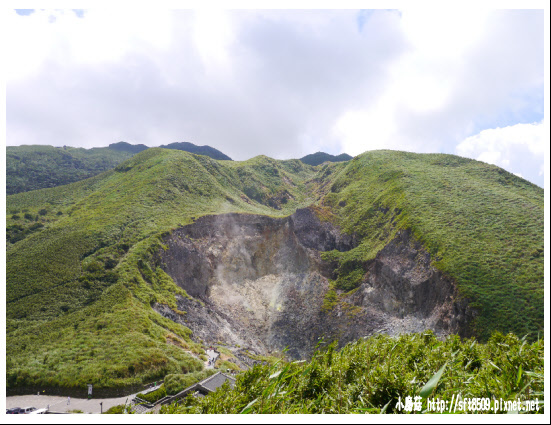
(282, 83)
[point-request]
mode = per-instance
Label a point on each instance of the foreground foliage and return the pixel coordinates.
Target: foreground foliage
(373, 375)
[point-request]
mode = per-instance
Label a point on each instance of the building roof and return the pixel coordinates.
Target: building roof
(208, 385)
(217, 380)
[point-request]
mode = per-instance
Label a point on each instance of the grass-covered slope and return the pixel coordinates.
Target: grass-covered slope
(482, 225)
(79, 288)
(79, 280)
(32, 167)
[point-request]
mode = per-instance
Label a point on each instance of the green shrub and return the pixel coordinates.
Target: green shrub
(94, 267)
(153, 396)
(175, 383)
(119, 409)
(36, 226)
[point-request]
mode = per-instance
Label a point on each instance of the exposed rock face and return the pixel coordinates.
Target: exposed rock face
(233, 248)
(402, 284)
(261, 285)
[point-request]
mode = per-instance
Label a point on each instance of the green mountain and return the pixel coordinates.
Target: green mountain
(321, 157)
(93, 268)
(127, 147)
(199, 150)
(31, 167)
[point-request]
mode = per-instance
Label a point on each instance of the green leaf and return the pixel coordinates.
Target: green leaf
(275, 375)
(248, 407)
(383, 410)
(494, 365)
(432, 383)
(519, 377)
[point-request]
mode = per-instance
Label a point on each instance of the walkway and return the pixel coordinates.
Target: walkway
(213, 356)
(59, 404)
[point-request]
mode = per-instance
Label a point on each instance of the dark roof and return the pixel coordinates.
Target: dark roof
(216, 380)
(204, 387)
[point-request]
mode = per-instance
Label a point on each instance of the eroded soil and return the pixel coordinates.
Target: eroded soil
(258, 286)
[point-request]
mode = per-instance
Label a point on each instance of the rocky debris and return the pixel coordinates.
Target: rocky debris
(260, 284)
(280, 198)
(320, 236)
(233, 247)
(402, 282)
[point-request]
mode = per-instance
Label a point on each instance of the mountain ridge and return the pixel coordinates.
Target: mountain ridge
(321, 157)
(94, 251)
(199, 150)
(32, 167)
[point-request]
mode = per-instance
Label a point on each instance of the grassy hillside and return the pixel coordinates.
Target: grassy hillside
(32, 167)
(481, 224)
(35, 166)
(79, 281)
(89, 260)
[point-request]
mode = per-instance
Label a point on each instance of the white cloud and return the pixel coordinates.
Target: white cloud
(61, 37)
(246, 82)
(463, 71)
(519, 149)
(283, 83)
(212, 36)
(444, 34)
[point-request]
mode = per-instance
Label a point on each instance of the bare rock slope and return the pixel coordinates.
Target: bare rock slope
(258, 285)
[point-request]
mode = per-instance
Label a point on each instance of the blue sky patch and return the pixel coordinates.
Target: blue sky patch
(24, 12)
